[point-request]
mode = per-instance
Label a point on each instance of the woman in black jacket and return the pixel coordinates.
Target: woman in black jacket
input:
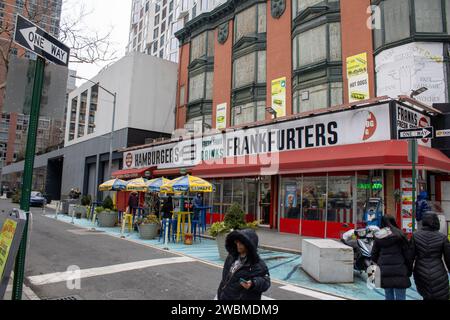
(390, 253)
(167, 208)
(428, 247)
(245, 276)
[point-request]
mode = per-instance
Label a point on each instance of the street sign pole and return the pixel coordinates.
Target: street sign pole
(28, 175)
(414, 147)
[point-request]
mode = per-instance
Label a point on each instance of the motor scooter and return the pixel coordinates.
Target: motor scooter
(361, 240)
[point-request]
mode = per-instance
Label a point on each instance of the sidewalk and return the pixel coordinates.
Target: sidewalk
(27, 293)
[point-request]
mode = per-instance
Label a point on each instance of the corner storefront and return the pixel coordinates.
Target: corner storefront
(310, 175)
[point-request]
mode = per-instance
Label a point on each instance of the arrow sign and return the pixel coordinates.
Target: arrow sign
(417, 133)
(31, 37)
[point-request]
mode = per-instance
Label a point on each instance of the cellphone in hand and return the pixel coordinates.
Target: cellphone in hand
(243, 280)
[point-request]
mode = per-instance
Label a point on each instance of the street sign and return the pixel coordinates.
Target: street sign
(443, 133)
(417, 133)
(31, 37)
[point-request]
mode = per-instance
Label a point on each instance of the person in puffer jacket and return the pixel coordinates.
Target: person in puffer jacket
(391, 253)
(429, 250)
(245, 276)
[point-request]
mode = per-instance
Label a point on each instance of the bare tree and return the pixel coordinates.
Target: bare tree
(87, 45)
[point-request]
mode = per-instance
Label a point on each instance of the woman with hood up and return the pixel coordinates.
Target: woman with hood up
(391, 253)
(245, 276)
(430, 249)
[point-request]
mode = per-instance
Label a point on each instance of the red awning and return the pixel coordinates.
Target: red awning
(132, 173)
(366, 156)
(170, 172)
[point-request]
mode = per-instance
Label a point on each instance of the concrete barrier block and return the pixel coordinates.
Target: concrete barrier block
(327, 261)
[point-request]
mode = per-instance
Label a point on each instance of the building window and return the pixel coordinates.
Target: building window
(250, 22)
(202, 46)
(313, 97)
(429, 16)
(248, 112)
(411, 20)
(249, 69)
(322, 43)
(200, 86)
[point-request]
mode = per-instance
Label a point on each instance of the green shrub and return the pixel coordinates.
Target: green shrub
(234, 220)
(86, 200)
(99, 209)
(235, 217)
(108, 203)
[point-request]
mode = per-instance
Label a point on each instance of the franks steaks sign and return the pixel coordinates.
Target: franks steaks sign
(348, 127)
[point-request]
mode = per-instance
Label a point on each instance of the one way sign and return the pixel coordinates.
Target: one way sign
(417, 133)
(31, 37)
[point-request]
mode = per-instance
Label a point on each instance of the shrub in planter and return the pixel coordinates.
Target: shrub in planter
(86, 200)
(106, 217)
(16, 196)
(108, 203)
(149, 227)
(80, 212)
(234, 220)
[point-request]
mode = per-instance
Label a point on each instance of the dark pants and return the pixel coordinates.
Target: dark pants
(395, 294)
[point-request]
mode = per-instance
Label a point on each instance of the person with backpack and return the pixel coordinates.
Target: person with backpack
(391, 253)
(245, 275)
(422, 207)
(430, 250)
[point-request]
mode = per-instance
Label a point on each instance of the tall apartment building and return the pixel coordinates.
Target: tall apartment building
(16, 71)
(154, 23)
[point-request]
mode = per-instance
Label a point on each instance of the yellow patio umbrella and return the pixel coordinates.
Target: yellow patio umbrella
(188, 184)
(113, 185)
(137, 185)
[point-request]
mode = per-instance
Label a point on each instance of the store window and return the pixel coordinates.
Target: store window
(250, 22)
(340, 199)
(369, 185)
(314, 198)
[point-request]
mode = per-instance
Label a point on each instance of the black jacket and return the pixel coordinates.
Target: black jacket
(428, 247)
(390, 253)
(254, 269)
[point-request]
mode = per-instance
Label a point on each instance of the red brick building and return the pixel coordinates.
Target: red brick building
(332, 72)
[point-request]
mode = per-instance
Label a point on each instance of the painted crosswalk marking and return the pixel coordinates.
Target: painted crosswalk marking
(93, 272)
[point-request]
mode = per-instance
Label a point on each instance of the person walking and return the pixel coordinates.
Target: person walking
(422, 207)
(430, 249)
(167, 208)
(245, 275)
(391, 253)
(133, 203)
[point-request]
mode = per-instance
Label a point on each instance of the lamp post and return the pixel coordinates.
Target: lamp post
(114, 95)
(417, 92)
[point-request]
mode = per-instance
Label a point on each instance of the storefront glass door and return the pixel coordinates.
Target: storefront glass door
(264, 200)
(251, 198)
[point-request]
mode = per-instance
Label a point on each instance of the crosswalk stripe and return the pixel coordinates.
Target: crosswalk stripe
(93, 272)
(310, 293)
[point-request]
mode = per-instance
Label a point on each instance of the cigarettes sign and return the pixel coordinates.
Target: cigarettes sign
(443, 133)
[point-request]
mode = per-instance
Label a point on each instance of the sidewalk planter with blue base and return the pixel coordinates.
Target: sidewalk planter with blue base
(148, 231)
(107, 219)
(220, 239)
(80, 212)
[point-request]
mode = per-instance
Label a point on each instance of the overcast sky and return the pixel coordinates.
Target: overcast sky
(104, 15)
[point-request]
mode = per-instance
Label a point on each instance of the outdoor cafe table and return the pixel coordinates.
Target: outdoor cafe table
(181, 223)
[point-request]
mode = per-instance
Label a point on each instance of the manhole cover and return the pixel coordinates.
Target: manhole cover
(127, 294)
(68, 298)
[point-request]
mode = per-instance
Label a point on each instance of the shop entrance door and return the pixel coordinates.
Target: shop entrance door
(251, 196)
(265, 196)
(445, 198)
